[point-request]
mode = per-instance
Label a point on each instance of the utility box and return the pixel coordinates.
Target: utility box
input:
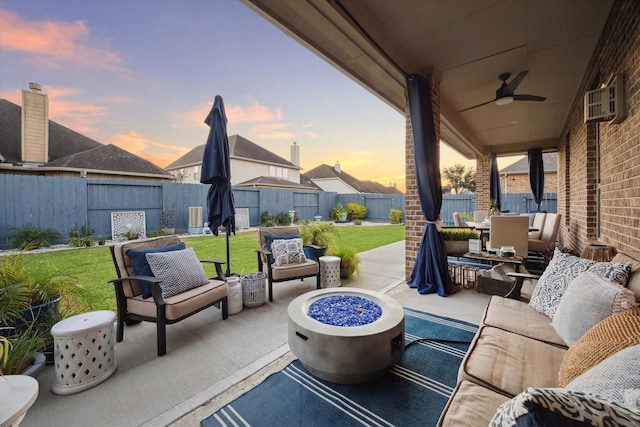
(195, 220)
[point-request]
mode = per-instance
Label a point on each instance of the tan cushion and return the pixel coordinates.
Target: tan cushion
(287, 271)
(517, 317)
(634, 278)
(611, 335)
(509, 363)
(182, 304)
(470, 405)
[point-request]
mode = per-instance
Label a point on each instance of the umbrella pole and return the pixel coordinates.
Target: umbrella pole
(226, 233)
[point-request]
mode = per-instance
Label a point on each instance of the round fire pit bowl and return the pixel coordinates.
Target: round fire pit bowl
(346, 354)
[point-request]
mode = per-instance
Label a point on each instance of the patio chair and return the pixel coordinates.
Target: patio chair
(547, 239)
(179, 291)
(510, 231)
(538, 223)
(292, 266)
(456, 219)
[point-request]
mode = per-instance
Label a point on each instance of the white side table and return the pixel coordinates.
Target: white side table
(329, 271)
(83, 351)
(235, 295)
(17, 394)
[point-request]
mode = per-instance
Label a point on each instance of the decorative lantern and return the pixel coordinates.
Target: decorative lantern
(470, 277)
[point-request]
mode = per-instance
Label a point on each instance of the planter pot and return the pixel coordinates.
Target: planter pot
(344, 273)
(39, 361)
(311, 254)
(457, 247)
(27, 315)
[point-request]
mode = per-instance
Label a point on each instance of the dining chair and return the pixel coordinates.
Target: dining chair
(538, 224)
(509, 231)
(547, 239)
(456, 219)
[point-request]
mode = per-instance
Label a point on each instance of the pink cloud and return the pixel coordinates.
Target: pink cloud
(254, 112)
(158, 153)
(54, 42)
(273, 131)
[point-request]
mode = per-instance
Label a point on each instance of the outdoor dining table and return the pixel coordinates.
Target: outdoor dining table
(484, 227)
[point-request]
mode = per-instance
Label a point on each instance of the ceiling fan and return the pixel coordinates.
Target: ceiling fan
(505, 95)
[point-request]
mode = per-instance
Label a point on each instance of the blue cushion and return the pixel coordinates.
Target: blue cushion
(269, 239)
(141, 266)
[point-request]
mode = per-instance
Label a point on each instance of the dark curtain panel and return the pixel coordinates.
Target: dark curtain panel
(494, 186)
(536, 174)
(430, 272)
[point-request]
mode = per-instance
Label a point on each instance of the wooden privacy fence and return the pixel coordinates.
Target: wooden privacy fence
(63, 203)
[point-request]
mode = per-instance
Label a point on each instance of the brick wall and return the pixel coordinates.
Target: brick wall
(619, 146)
(483, 182)
(414, 219)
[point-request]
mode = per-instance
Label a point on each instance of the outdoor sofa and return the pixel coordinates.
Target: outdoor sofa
(572, 368)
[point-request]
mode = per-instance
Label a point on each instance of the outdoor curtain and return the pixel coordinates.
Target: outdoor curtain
(536, 174)
(494, 184)
(430, 273)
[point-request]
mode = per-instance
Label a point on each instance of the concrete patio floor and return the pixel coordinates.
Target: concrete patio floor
(210, 361)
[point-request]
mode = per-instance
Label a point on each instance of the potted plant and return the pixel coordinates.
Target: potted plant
(457, 239)
(316, 234)
(339, 213)
(101, 240)
(166, 219)
(30, 305)
(349, 259)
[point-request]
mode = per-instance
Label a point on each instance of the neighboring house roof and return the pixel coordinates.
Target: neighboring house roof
(68, 148)
(550, 161)
(108, 158)
(325, 171)
(239, 148)
(274, 182)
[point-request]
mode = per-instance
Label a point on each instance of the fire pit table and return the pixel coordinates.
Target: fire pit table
(346, 335)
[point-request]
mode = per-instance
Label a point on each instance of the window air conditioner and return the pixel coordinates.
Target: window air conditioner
(605, 103)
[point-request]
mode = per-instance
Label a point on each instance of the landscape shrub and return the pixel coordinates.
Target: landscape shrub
(356, 211)
(282, 218)
(265, 219)
(395, 216)
(82, 237)
(30, 237)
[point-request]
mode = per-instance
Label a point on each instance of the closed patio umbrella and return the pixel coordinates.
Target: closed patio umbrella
(430, 273)
(536, 174)
(216, 170)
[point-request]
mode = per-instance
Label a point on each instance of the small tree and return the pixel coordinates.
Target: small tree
(460, 178)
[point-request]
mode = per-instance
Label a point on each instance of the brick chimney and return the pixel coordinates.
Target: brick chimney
(295, 154)
(35, 125)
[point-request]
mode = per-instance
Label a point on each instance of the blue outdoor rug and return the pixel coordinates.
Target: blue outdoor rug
(413, 393)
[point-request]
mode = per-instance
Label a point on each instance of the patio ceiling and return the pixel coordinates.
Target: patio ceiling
(469, 43)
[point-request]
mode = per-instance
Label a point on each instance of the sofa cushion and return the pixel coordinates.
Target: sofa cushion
(508, 363)
(562, 269)
(589, 298)
(634, 278)
(560, 407)
(612, 377)
(517, 317)
(611, 335)
(287, 251)
(141, 267)
(178, 270)
(470, 405)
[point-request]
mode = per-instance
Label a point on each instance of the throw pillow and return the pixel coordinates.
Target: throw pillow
(562, 269)
(141, 266)
(612, 377)
(496, 272)
(562, 408)
(269, 240)
(287, 251)
(179, 271)
(611, 335)
(589, 299)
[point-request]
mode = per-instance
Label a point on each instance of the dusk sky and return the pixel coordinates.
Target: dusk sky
(143, 74)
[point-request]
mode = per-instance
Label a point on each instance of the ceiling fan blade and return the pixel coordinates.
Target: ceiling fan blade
(528, 98)
(513, 84)
(476, 106)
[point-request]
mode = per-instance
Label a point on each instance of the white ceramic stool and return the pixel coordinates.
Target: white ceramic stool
(83, 351)
(17, 394)
(235, 295)
(329, 271)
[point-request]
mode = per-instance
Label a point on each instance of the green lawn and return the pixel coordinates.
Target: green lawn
(93, 267)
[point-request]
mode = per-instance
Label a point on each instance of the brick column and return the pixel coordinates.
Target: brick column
(414, 219)
(483, 182)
